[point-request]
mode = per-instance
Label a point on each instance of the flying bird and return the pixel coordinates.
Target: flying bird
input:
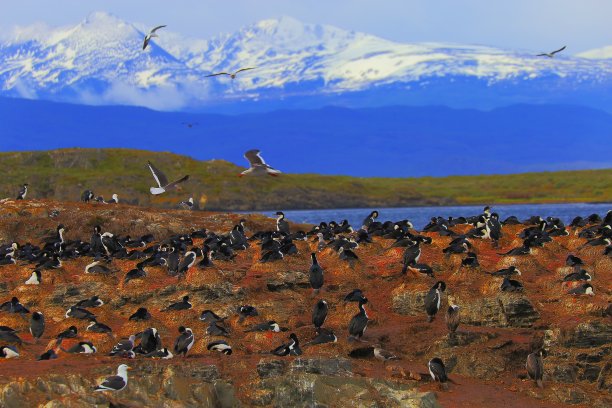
(551, 54)
(162, 180)
(230, 74)
(152, 34)
(258, 166)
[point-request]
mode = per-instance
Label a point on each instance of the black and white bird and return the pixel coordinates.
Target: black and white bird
(23, 191)
(115, 382)
(187, 205)
(580, 275)
(8, 352)
(412, 253)
(150, 340)
(290, 348)
(270, 325)
(257, 165)
(69, 333)
(323, 336)
(123, 346)
(433, 300)
(163, 353)
(35, 278)
(97, 267)
(82, 347)
(437, 370)
(245, 311)
(584, 289)
(114, 200)
(453, 318)
(37, 325)
(319, 313)
(209, 316)
(152, 34)
(535, 367)
(221, 346)
(87, 196)
(359, 323)
(551, 54)
(184, 341)
(188, 261)
(354, 296)
(162, 181)
(315, 274)
(232, 75)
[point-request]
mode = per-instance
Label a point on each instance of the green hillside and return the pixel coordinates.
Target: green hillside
(215, 185)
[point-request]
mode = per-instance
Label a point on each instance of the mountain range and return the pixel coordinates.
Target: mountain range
(100, 62)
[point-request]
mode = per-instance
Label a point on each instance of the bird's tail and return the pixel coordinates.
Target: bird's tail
(157, 190)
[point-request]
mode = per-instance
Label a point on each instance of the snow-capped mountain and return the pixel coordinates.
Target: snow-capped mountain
(100, 61)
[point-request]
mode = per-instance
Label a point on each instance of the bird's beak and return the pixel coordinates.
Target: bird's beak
(129, 368)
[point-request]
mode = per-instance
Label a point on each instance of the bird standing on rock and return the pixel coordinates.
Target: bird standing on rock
(433, 300)
(535, 367)
(184, 342)
(315, 274)
(359, 322)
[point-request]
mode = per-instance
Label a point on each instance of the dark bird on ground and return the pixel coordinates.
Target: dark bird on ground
(79, 313)
(187, 205)
(163, 353)
(257, 165)
(511, 285)
(359, 323)
(315, 274)
(93, 301)
(47, 355)
(433, 300)
(140, 315)
(210, 316)
(581, 275)
(290, 348)
(214, 329)
(14, 306)
(115, 382)
(246, 311)
(162, 181)
(69, 333)
(87, 196)
(182, 305)
(82, 347)
(535, 367)
(319, 313)
(574, 261)
(282, 225)
(184, 342)
(437, 370)
(10, 337)
(221, 346)
(355, 296)
(232, 75)
(453, 318)
(37, 325)
(152, 34)
(383, 355)
(270, 325)
(506, 272)
(96, 327)
(323, 336)
(552, 53)
(150, 341)
(412, 254)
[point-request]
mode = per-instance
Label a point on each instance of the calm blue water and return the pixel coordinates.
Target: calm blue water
(420, 216)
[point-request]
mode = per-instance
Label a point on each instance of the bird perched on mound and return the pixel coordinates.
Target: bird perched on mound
(535, 367)
(290, 348)
(184, 341)
(115, 382)
(433, 300)
(359, 323)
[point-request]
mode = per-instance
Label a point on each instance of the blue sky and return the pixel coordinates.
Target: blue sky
(520, 24)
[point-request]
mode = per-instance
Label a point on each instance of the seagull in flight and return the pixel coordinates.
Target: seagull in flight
(162, 180)
(152, 34)
(258, 166)
(551, 54)
(230, 74)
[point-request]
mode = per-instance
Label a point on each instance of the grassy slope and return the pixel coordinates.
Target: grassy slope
(64, 174)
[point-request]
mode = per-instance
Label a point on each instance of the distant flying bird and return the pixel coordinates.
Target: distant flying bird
(190, 125)
(230, 74)
(258, 166)
(162, 180)
(551, 54)
(152, 34)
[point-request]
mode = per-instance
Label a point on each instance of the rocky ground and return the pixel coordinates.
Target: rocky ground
(486, 359)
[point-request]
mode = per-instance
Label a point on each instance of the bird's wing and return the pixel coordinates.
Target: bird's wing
(254, 158)
(218, 73)
(559, 50)
(542, 55)
(114, 383)
(174, 183)
(146, 42)
(160, 177)
(156, 28)
(243, 69)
